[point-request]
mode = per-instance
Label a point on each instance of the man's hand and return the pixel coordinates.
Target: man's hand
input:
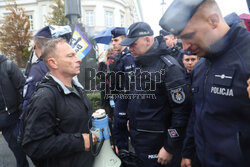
(164, 157)
(116, 149)
(186, 162)
(248, 88)
(87, 142)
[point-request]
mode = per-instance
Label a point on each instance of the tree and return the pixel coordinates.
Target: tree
(57, 16)
(15, 34)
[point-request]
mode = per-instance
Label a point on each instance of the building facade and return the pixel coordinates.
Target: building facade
(96, 14)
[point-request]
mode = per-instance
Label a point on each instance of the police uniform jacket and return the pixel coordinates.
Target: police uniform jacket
(158, 105)
(127, 66)
(37, 72)
(220, 122)
(53, 125)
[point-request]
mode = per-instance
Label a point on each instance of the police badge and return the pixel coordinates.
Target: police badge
(178, 95)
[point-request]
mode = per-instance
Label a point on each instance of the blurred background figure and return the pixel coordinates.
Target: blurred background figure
(170, 39)
(102, 67)
(174, 44)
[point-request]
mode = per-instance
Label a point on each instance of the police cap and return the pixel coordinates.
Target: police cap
(135, 31)
(164, 32)
(44, 32)
(118, 31)
(178, 15)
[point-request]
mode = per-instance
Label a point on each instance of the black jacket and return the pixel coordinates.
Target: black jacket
(53, 124)
(159, 105)
(11, 86)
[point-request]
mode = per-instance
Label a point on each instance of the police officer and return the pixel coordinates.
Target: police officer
(219, 125)
(38, 68)
(174, 44)
(157, 110)
(125, 64)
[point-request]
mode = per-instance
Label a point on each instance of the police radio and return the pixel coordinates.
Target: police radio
(104, 154)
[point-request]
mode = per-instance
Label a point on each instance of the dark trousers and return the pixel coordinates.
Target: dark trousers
(147, 147)
(10, 135)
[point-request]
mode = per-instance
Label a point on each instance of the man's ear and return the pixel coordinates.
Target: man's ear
(213, 20)
(52, 63)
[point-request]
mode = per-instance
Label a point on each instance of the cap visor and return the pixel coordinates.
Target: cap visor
(128, 41)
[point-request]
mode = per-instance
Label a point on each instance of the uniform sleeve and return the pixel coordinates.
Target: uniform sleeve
(42, 137)
(178, 92)
(188, 150)
(120, 124)
(36, 74)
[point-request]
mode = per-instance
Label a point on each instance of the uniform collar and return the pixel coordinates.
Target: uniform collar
(221, 46)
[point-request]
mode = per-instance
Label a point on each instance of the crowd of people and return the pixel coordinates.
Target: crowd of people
(182, 99)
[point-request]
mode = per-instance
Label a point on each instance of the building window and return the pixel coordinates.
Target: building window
(30, 17)
(108, 19)
(89, 17)
(122, 21)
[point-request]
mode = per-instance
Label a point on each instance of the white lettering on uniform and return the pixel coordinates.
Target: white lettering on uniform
(153, 156)
(222, 91)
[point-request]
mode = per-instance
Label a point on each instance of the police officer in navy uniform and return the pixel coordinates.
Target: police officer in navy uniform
(38, 68)
(219, 128)
(174, 44)
(126, 65)
(157, 110)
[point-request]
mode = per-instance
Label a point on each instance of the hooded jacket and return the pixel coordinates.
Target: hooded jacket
(53, 125)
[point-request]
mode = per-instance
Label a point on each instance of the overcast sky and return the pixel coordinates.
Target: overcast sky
(152, 10)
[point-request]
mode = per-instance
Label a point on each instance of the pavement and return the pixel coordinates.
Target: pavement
(7, 158)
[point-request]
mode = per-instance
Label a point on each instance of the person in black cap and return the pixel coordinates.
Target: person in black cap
(219, 127)
(171, 41)
(175, 46)
(157, 110)
(123, 61)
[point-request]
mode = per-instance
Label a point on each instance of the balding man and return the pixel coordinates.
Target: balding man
(219, 125)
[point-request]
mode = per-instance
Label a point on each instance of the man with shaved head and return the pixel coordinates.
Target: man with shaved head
(219, 129)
